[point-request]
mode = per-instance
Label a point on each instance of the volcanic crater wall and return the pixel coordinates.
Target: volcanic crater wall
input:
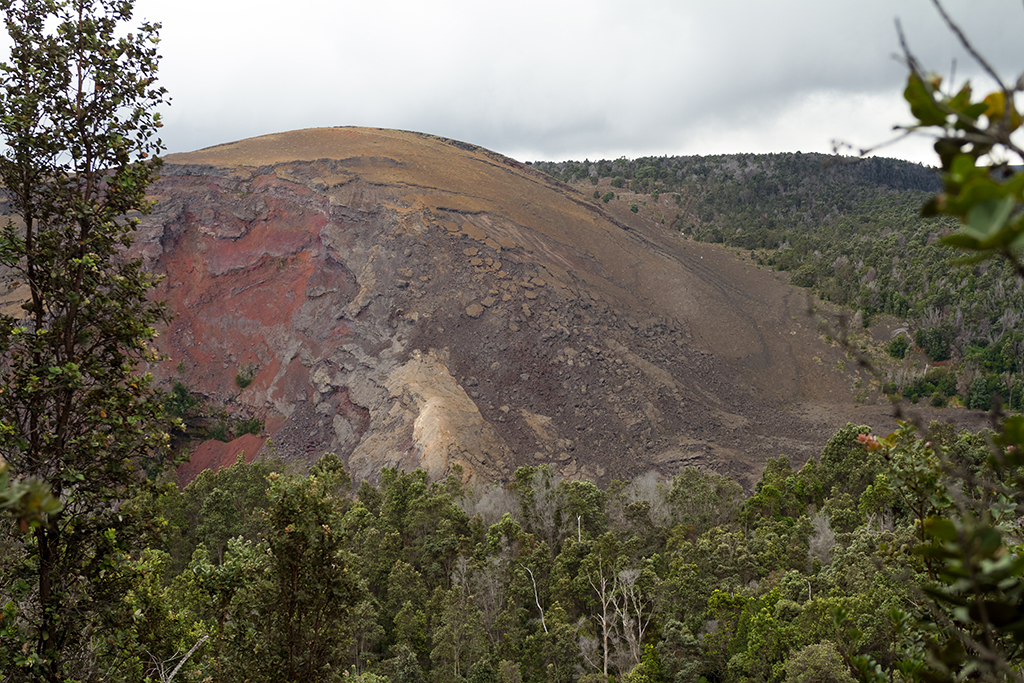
(407, 302)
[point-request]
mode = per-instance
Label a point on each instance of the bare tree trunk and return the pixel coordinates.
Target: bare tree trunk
(604, 594)
(536, 597)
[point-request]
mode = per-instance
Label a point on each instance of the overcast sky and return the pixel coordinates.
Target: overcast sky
(566, 79)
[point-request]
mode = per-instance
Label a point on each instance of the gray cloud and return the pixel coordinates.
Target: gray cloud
(564, 78)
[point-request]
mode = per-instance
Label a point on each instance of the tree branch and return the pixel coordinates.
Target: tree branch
(536, 596)
(185, 658)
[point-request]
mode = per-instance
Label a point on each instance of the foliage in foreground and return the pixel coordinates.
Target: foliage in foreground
(974, 554)
(267, 576)
(78, 423)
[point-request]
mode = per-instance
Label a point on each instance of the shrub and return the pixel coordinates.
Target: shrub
(251, 425)
(608, 196)
(898, 347)
(805, 276)
(936, 380)
(245, 376)
(984, 391)
(936, 341)
(1017, 395)
(634, 208)
(227, 429)
(180, 400)
(219, 431)
(978, 396)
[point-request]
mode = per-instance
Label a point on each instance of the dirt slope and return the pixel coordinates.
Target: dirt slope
(406, 300)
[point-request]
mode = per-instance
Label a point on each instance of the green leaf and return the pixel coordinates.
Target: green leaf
(940, 528)
(961, 240)
(988, 217)
(922, 104)
(962, 99)
(963, 167)
(975, 110)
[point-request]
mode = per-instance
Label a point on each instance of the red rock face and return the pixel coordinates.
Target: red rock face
(406, 301)
(215, 455)
(237, 286)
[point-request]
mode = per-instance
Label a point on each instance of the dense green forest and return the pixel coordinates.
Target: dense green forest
(850, 229)
(256, 574)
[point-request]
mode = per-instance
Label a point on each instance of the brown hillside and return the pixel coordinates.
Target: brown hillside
(406, 300)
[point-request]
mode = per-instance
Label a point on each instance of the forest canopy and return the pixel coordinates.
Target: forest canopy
(265, 575)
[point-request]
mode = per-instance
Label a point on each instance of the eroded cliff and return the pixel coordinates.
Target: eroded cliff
(405, 300)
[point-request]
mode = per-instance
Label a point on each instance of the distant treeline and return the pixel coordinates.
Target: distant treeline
(768, 173)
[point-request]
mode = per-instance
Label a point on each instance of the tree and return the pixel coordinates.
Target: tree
(898, 347)
(936, 341)
(458, 638)
(978, 396)
(700, 501)
(215, 507)
(313, 601)
(845, 466)
(634, 606)
(817, 663)
(78, 100)
(598, 571)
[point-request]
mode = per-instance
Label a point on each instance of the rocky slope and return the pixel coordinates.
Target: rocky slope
(411, 301)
